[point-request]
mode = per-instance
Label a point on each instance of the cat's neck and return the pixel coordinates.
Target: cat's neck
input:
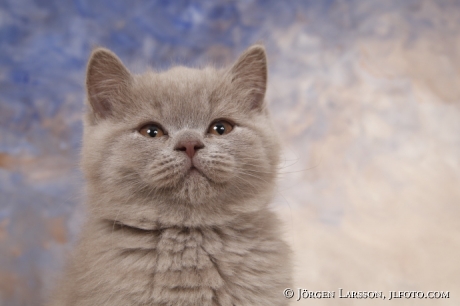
(145, 227)
(153, 215)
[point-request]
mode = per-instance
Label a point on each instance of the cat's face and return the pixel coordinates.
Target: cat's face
(181, 140)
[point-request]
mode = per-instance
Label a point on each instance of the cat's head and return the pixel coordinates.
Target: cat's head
(182, 146)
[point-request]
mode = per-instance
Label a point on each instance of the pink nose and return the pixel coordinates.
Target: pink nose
(190, 147)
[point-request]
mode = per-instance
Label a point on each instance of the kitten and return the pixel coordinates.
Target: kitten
(181, 167)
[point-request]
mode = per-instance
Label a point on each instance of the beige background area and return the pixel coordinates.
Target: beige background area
(370, 186)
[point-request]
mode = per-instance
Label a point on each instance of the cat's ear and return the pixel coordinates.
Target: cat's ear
(249, 74)
(107, 83)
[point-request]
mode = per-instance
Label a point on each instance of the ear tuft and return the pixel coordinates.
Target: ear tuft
(249, 73)
(107, 80)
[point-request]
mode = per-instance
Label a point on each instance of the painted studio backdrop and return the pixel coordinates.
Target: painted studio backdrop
(365, 95)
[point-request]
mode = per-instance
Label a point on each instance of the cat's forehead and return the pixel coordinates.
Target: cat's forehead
(180, 95)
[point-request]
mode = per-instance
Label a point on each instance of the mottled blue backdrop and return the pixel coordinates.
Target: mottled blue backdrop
(365, 94)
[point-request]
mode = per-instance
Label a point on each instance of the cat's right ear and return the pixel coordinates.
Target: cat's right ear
(249, 75)
(107, 84)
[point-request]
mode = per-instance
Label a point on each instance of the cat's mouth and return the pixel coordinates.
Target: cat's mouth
(195, 175)
(194, 171)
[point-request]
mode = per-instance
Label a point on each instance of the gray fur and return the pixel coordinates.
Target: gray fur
(155, 234)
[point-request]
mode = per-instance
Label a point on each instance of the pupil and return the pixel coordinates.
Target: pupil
(219, 128)
(152, 131)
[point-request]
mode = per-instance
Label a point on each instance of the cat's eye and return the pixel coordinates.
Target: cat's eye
(151, 130)
(220, 127)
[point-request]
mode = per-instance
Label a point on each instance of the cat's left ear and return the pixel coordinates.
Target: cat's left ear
(249, 74)
(107, 84)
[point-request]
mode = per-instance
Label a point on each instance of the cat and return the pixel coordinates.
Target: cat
(180, 168)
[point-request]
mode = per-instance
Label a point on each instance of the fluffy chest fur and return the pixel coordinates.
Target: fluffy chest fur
(180, 266)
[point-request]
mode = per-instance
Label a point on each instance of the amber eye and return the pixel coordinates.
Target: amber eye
(220, 127)
(151, 130)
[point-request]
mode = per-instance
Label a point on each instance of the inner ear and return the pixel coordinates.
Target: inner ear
(249, 74)
(107, 82)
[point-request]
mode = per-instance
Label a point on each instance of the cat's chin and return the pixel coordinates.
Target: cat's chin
(193, 172)
(195, 187)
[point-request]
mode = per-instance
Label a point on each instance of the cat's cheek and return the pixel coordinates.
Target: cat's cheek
(218, 171)
(165, 171)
